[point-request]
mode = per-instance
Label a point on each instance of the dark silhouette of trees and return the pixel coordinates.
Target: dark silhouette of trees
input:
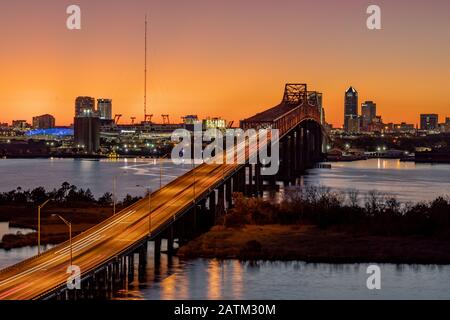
(375, 214)
(67, 195)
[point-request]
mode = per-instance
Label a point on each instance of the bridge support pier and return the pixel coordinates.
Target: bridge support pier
(221, 200)
(142, 267)
(212, 208)
(228, 194)
(170, 240)
(249, 188)
(157, 250)
(130, 268)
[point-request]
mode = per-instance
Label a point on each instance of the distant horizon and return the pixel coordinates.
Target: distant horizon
(223, 58)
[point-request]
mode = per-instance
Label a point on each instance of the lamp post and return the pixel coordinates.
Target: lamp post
(160, 172)
(161, 169)
(114, 194)
(39, 225)
(70, 234)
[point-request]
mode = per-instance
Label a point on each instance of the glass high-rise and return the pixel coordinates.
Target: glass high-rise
(350, 107)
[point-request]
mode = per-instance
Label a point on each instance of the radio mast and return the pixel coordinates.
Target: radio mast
(145, 72)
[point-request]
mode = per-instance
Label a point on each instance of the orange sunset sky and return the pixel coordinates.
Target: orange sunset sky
(227, 58)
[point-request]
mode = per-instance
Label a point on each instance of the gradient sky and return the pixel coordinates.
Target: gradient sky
(227, 58)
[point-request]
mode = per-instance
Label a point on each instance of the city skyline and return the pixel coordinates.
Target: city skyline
(194, 67)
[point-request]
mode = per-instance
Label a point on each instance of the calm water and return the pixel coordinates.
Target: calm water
(211, 279)
(95, 175)
(408, 181)
(231, 279)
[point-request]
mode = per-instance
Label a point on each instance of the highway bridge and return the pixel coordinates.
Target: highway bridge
(108, 253)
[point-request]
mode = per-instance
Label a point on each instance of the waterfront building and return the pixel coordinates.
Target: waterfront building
(20, 124)
(353, 124)
(84, 105)
(104, 109)
(368, 113)
(429, 121)
(87, 132)
(45, 121)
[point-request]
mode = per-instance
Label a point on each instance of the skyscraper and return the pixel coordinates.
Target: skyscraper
(104, 109)
(350, 107)
(429, 121)
(84, 105)
(87, 131)
(368, 112)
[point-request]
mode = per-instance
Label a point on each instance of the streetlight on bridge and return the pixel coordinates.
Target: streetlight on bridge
(149, 192)
(39, 224)
(70, 234)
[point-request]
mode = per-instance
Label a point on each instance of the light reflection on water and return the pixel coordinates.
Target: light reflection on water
(408, 181)
(234, 280)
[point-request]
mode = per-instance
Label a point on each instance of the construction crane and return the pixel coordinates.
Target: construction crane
(166, 119)
(230, 124)
(117, 118)
(133, 119)
(148, 118)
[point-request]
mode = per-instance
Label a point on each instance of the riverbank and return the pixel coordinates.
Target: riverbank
(312, 244)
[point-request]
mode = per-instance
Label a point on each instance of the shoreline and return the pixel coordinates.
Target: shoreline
(53, 231)
(313, 245)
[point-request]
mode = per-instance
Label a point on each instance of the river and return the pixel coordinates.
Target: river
(212, 279)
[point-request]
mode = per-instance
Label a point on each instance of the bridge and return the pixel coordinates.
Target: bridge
(109, 253)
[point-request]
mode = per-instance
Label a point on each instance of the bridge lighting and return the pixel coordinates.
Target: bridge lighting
(347, 146)
(328, 147)
(384, 148)
(378, 149)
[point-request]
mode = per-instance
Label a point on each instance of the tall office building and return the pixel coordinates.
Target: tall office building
(429, 121)
(45, 121)
(104, 109)
(350, 107)
(368, 112)
(87, 132)
(84, 105)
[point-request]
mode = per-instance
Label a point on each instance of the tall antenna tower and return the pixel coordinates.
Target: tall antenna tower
(145, 72)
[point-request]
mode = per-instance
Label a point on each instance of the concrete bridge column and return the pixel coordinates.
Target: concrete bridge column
(285, 160)
(319, 142)
(157, 250)
(258, 180)
(241, 180)
(130, 268)
(170, 239)
(142, 261)
(228, 194)
(292, 157)
(212, 208)
(306, 146)
(221, 200)
(249, 188)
